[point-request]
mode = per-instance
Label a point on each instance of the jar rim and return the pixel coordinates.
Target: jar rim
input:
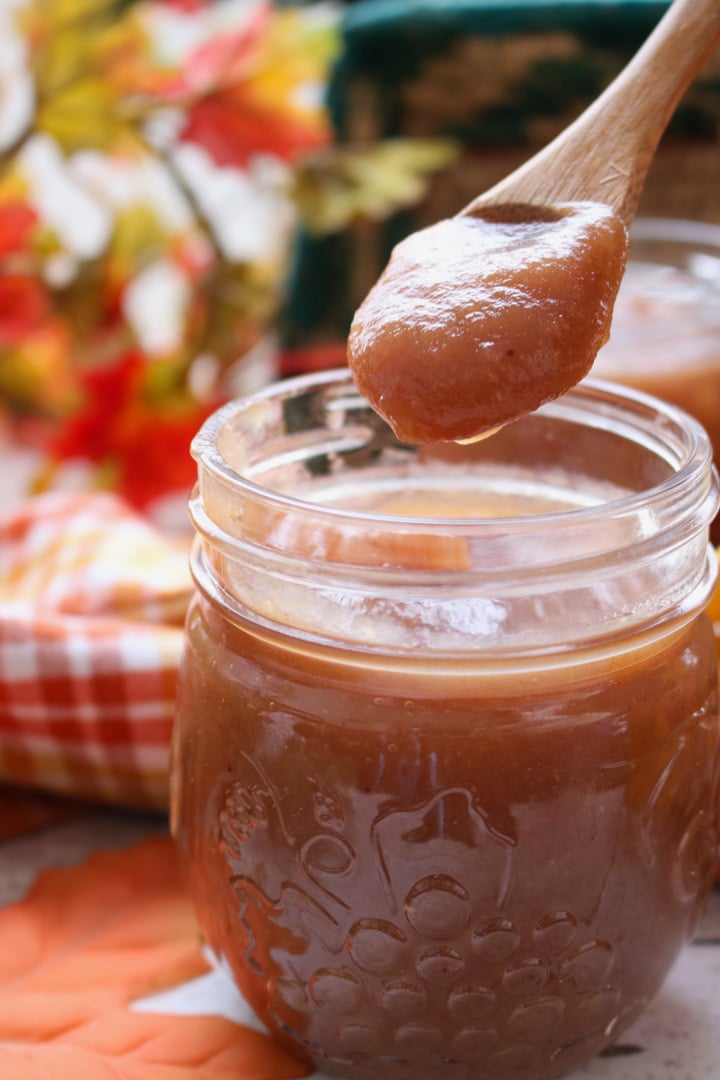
(686, 449)
(395, 583)
(676, 230)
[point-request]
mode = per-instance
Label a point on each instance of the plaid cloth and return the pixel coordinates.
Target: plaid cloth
(92, 601)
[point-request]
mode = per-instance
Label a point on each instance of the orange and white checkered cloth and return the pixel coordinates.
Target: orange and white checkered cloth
(92, 602)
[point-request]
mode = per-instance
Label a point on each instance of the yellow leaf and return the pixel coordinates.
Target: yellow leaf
(53, 14)
(83, 115)
(122, 54)
(87, 62)
(298, 48)
(39, 373)
(13, 186)
(138, 238)
(373, 182)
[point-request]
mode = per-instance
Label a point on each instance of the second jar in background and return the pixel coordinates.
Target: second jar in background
(665, 336)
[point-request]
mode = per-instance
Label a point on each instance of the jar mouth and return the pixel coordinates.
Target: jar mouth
(314, 520)
(237, 447)
(685, 231)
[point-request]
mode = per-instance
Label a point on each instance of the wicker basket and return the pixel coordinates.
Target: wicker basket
(503, 79)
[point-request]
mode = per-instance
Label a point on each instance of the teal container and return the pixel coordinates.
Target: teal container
(502, 79)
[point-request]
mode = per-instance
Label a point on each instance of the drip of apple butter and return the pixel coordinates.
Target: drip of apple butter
(482, 318)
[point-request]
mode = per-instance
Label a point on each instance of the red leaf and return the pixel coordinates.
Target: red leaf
(23, 307)
(145, 442)
(107, 391)
(17, 221)
(233, 129)
(188, 6)
(226, 57)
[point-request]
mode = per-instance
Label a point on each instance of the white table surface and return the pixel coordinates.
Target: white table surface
(678, 1037)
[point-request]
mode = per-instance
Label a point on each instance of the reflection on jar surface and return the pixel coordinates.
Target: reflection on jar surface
(665, 336)
(446, 755)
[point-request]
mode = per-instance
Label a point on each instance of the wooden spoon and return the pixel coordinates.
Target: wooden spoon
(605, 154)
(483, 317)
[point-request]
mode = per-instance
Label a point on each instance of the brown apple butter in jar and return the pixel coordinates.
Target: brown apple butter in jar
(446, 756)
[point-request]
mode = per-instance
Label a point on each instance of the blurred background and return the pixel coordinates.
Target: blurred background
(196, 195)
(194, 198)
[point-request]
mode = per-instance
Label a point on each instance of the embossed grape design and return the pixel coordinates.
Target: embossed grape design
(423, 973)
(246, 808)
(531, 981)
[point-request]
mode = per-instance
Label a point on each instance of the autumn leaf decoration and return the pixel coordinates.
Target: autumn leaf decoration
(76, 374)
(22, 299)
(110, 83)
(234, 85)
(82, 946)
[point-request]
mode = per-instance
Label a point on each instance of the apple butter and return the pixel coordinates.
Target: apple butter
(482, 317)
(665, 334)
(450, 814)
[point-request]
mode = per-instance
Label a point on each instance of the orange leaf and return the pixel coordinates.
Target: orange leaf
(82, 945)
(123, 1045)
(231, 126)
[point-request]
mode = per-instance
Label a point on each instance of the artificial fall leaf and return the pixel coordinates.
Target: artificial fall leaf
(57, 13)
(273, 54)
(81, 947)
(225, 58)
(84, 56)
(140, 1046)
(233, 300)
(346, 184)
(233, 128)
(23, 307)
(138, 237)
(188, 7)
(17, 221)
(123, 55)
(84, 114)
(36, 371)
(253, 103)
(117, 927)
(141, 443)
(156, 454)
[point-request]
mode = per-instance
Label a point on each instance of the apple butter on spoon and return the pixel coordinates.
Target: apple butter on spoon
(483, 317)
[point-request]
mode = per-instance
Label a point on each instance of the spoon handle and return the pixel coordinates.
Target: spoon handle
(605, 154)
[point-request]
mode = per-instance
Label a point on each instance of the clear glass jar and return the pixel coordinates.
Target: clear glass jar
(446, 755)
(665, 336)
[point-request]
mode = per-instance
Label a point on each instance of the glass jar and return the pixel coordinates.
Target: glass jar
(446, 755)
(665, 336)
